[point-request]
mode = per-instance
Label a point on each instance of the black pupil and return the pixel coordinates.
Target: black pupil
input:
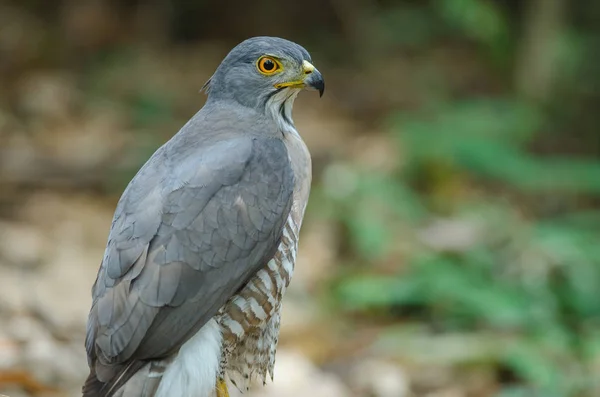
(268, 65)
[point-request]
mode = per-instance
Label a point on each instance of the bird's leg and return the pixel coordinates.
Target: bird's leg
(222, 388)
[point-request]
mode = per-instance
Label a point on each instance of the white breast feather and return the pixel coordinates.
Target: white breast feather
(286, 99)
(195, 369)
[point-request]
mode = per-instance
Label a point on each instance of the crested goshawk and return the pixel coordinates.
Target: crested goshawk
(204, 239)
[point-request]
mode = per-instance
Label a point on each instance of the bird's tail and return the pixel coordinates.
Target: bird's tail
(137, 378)
(93, 387)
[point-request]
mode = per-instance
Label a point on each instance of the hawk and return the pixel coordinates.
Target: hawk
(204, 239)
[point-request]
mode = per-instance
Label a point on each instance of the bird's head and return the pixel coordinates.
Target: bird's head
(265, 73)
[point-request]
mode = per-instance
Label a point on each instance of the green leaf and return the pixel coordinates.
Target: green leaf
(481, 20)
(487, 138)
(530, 362)
(377, 291)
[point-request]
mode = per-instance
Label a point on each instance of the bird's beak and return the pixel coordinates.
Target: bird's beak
(311, 78)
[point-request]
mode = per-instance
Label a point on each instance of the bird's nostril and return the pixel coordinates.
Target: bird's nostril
(308, 71)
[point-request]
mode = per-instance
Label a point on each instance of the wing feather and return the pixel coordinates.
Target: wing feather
(188, 232)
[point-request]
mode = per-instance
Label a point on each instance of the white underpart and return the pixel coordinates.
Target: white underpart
(193, 373)
(285, 97)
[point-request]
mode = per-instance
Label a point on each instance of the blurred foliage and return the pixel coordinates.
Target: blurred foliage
(535, 277)
(482, 241)
(529, 271)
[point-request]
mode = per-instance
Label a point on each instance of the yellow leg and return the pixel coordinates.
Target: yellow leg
(222, 388)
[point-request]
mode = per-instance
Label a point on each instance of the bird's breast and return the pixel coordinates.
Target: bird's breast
(250, 320)
(260, 298)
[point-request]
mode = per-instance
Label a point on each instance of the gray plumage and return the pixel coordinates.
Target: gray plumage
(200, 219)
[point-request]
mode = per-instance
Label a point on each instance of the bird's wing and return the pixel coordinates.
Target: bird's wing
(182, 242)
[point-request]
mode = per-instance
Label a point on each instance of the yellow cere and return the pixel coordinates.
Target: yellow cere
(307, 68)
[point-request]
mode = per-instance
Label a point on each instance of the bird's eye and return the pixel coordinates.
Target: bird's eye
(268, 65)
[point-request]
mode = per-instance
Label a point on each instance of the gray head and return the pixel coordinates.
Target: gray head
(264, 73)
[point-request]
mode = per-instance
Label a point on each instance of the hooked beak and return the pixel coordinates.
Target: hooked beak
(312, 79)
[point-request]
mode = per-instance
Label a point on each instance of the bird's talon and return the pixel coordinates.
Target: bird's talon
(222, 388)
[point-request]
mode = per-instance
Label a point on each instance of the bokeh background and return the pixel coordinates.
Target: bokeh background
(451, 247)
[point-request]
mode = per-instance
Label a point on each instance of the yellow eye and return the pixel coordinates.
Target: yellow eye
(268, 65)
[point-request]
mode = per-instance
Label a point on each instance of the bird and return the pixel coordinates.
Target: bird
(204, 238)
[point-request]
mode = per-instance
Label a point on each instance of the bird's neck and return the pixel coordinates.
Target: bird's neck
(279, 109)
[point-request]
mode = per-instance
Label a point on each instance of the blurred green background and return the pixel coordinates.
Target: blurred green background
(452, 242)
